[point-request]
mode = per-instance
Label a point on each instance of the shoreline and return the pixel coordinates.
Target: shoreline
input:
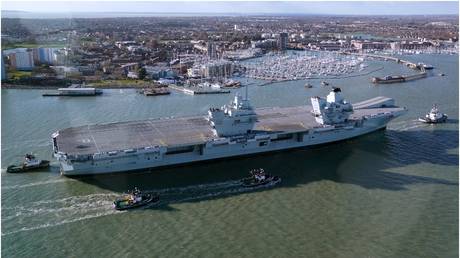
(33, 87)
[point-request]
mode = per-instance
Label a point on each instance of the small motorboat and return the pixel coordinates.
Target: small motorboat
(308, 85)
(30, 163)
(259, 177)
(135, 199)
(426, 66)
(324, 83)
(434, 116)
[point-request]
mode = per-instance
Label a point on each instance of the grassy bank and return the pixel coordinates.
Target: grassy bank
(126, 83)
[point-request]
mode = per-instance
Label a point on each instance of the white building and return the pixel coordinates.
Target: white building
(20, 58)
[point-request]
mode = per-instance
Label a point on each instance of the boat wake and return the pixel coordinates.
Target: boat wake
(51, 181)
(54, 224)
(51, 213)
(233, 191)
(405, 125)
(194, 188)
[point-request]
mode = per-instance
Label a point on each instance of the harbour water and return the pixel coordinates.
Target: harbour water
(393, 193)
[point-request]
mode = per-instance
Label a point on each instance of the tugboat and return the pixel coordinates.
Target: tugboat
(259, 177)
(434, 116)
(135, 199)
(30, 163)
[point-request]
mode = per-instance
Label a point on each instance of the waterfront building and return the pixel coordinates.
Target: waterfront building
(406, 45)
(326, 45)
(45, 55)
(362, 45)
(21, 59)
(158, 71)
(282, 41)
(267, 44)
(217, 69)
(59, 57)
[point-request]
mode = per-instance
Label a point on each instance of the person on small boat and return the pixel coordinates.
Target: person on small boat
(31, 161)
(29, 157)
(260, 175)
(136, 196)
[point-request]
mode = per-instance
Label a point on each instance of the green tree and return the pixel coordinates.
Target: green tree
(141, 73)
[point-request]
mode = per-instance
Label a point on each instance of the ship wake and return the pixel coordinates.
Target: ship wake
(51, 213)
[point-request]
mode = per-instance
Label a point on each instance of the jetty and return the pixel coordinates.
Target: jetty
(395, 78)
(155, 91)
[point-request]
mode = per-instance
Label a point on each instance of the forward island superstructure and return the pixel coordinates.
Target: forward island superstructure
(233, 130)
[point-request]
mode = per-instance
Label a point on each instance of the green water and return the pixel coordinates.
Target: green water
(392, 193)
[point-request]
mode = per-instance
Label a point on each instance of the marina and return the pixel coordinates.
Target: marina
(301, 65)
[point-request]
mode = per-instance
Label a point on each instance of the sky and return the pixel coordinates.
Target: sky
(240, 7)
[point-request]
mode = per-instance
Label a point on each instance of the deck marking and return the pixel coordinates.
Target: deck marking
(145, 139)
(95, 144)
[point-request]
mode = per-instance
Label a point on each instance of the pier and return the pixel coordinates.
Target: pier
(395, 78)
(155, 91)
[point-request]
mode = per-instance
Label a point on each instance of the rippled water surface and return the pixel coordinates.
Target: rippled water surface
(392, 193)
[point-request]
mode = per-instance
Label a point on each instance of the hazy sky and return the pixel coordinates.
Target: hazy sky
(347, 8)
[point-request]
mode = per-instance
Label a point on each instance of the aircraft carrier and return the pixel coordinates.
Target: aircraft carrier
(233, 130)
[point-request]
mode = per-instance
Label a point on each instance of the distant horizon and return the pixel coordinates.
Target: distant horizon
(350, 8)
(17, 14)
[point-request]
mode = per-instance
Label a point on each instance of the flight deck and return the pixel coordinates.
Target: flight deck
(102, 138)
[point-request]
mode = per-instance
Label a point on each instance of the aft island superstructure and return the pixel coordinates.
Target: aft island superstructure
(233, 130)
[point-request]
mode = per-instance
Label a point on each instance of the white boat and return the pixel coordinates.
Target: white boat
(434, 116)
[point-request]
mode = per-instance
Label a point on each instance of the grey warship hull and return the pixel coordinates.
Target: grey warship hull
(126, 146)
